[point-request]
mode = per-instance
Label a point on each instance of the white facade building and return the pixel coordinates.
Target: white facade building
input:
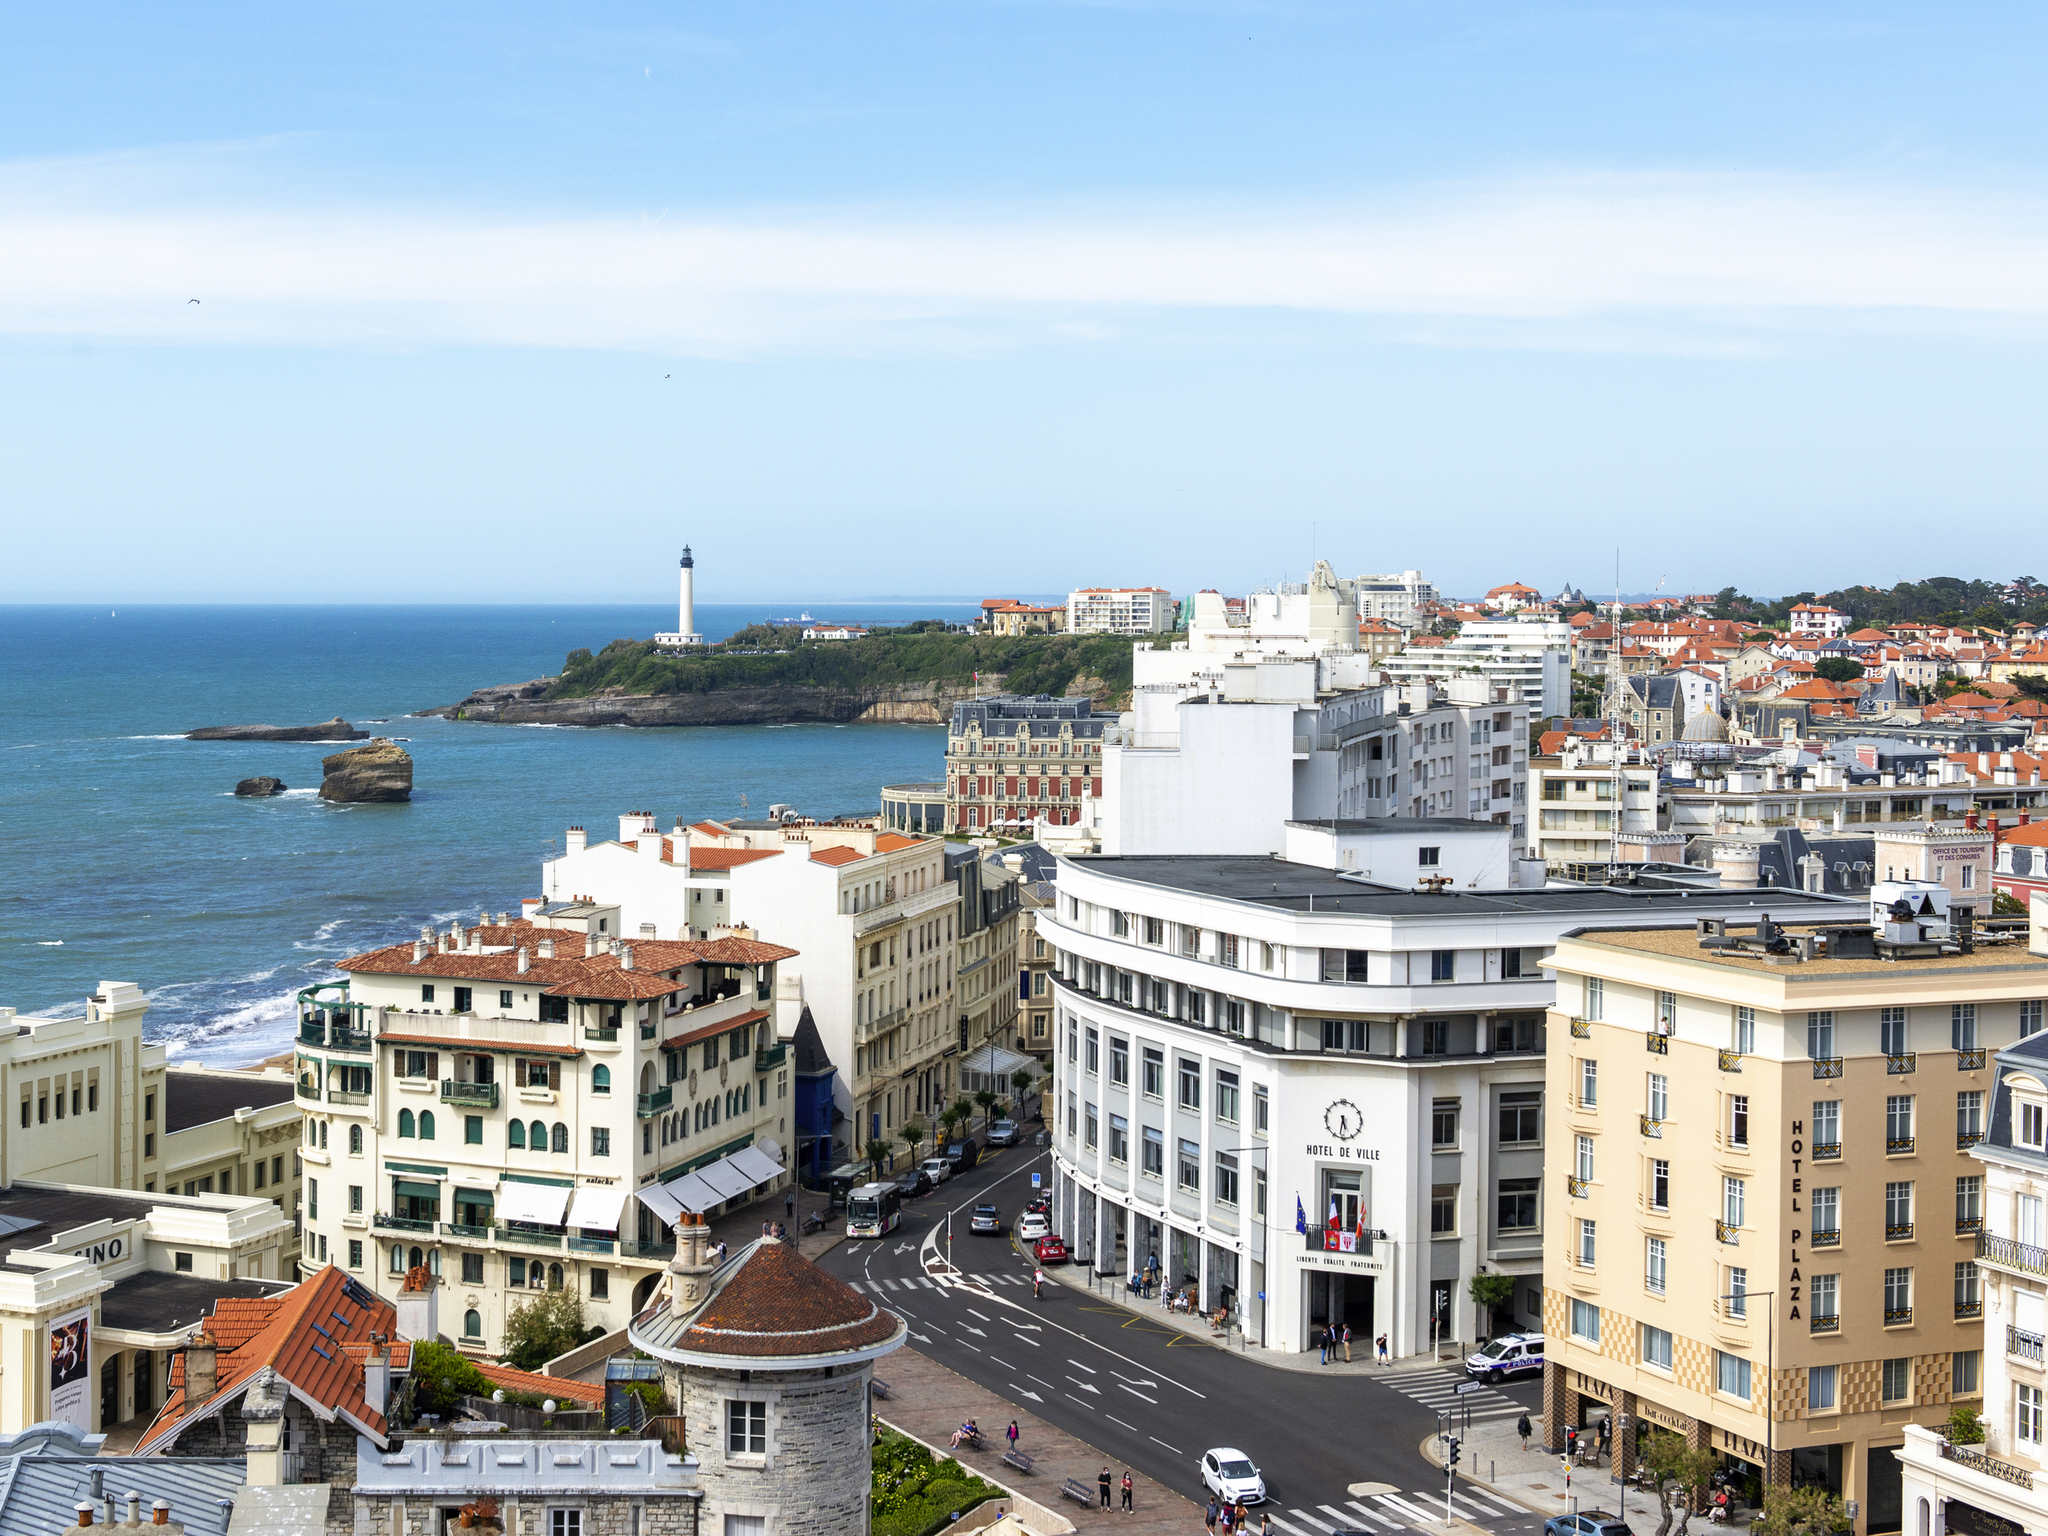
(1120, 610)
(1533, 658)
(1394, 598)
(1236, 1035)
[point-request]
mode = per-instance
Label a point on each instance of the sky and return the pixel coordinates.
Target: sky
(503, 303)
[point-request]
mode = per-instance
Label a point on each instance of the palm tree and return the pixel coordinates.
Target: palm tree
(912, 1135)
(987, 1101)
(877, 1155)
(963, 1110)
(949, 1122)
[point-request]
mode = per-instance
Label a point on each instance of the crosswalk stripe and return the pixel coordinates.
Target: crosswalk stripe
(1408, 1511)
(1372, 1514)
(1507, 1505)
(1467, 1506)
(1280, 1523)
(1302, 1514)
(1335, 1513)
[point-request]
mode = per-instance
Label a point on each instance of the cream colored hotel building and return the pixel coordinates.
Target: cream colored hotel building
(1762, 1209)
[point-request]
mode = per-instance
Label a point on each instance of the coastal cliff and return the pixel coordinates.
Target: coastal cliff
(895, 678)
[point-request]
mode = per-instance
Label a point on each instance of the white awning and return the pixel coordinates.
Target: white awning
(542, 1204)
(596, 1207)
(725, 1180)
(661, 1203)
(692, 1193)
(996, 1062)
(756, 1164)
(713, 1184)
(773, 1150)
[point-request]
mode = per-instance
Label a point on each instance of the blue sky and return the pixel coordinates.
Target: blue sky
(958, 296)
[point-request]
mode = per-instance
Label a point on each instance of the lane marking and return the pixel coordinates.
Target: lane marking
(1342, 1517)
(1141, 1397)
(1003, 1363)
(1280, 1523)
(1115, 1420)
(1077, 1365)
(1302, 1514)
(1157, 1441)
(1412, 1514)
(982, 1315)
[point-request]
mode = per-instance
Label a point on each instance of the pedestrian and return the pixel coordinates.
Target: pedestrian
(1606, 1435)
(1347, 1343)
(1128, 1509)
(1102, 1483)
(1380, 1349)
(1323, 1343)
(1243, 1515)
(789, 1204)
(1011, 1434)
(1265, 1525)
(1522, 1429)
(1225, 1518)
(1209, 1515)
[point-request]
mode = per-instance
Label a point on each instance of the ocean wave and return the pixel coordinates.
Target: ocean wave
(49, 943)
(282, 793)
(158, 736)
(236, 1036)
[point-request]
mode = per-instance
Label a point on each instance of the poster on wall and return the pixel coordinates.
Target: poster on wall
(71, 1369)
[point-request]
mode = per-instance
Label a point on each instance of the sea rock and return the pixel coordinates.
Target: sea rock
(260, 786)
(336, 729)
(379, 770)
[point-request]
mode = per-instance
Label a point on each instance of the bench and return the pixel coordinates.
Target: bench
(1078, 1491)
(815, 1222)
(1018, 1460)
(879, 1387)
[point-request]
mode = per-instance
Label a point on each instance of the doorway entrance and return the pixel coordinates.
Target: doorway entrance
(1338, 1300)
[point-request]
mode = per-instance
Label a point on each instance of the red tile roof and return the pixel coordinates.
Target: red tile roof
(778, 1303)
(692, 1036)
(561, 1388)
(892, 842)
(837, 855)
(728, 858)
(573, 971)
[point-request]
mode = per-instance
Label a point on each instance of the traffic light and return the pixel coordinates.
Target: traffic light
(1455, 1443)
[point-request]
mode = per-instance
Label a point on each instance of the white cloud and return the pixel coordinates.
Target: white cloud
(1686, 262)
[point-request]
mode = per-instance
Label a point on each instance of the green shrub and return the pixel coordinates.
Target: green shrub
(915, 1493)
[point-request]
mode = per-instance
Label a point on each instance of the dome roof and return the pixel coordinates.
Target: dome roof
(1704, 726)
(767, 1303)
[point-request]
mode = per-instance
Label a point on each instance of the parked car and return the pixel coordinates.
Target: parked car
(912, 1182)
(1587, 1522)
(1039, 1202)
(986, 1218)
(1050, 1249)
(1512, 1354)
(1003, 1133)
(962, 1154)
(937, 1169)
(1229, 1474)
(1033, 1225)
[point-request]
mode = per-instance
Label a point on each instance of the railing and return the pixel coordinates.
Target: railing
(603, 1034)
(2012, 1254)
(1827, 1151)
(1831, 1238)
(343, 1096)
(2023, 1344)
(591, 1244)
(1990, 1466)
(656, 1102)
(456, 1091)
(334, 1038)
(1657, 1045)
(1650, 1125)
(1898, 1063)
(771, 1058)
(1576, 1188)
(1970, 1061)
(1729, 1061)
(1582, 1029)
(466, 1229)
(405, 1223)
(1897, 1231)
(309, 1091)
(1894, 1144)
(1724, 1233)
(1966, 1225)
(1825, 1323)
(1897, 1317)
(1827, 1066)
(1966, 1310)
(633, 1248)
(529, 1239)
(1967, 1139)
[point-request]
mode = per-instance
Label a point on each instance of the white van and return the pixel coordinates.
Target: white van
(1512, 1354)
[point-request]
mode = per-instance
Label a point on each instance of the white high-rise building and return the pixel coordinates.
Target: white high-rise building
(1395, 598)
(1532, 658)
(686, 606)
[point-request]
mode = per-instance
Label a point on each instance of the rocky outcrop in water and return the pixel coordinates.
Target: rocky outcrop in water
(379, 770)
(336, 729)
(257, 788)
(903, 703)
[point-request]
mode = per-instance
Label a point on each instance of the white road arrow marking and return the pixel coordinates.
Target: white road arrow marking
(904, 1248)
(1136, 1381)
(970, 1328)
(1077, 1381)
(1026, 1392)
(1077, 1365)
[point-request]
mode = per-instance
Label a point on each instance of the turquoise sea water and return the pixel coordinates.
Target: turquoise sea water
(125, 856)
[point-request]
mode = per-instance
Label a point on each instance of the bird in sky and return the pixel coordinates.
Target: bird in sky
(191, 301)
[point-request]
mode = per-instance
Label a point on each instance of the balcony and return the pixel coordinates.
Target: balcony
(529, 1239)
(1897, 1146)
(479, 1095)
(770, 1059)
(1898, 1231)
(1726, 1233)
(2007, 1253)
(1970, 1060)
(335, 1037)
(1729, 1061)
(405, 1223)
(344, 1097)
(1582, 1029)
(1649, 1125)
(1657, 1045)
(309, 1091)
(1577, 1188)
(1827, 1066)
(654, 1103)
(1969, 1226)
(1831, 1238)
(466, 1229)
(1967, 1311)
(2023, 1345)
(591, 1245)
(1897, 1317)
(1827, 1151)
(1898, 1063)
(1825, 1323)
(1967, 1139)
(1990, 1466)
(881, 1024)
(601, 1034)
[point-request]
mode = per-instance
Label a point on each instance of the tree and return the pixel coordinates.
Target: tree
(912, 1136)
(442, 1377)
(1679, 1476)
(1492, 1291)
(1838, 669)
(963, 1110)
(1807, 1510)
(549, 1325)
(949, 1122)
(1965, 1426)
(1021, 1080)
(987, 1101)
(877, 1154)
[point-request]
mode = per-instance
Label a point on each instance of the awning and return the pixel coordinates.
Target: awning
(660, 1202)
(713, 1184)
(596, 1208)
(541, 1204)
(758, 1164)
(415, 1189)
(996, 1061)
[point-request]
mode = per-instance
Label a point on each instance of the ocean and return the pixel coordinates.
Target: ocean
(125, 856)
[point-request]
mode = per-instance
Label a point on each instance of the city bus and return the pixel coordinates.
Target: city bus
(873, 1209)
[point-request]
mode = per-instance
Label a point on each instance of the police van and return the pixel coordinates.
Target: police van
(1512, 1354)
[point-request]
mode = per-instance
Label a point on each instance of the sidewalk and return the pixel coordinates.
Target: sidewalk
(740, 1227)
(1493, 1456)
(928, 1402)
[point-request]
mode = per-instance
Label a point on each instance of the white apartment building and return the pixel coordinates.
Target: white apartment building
(1245, 1045)
(1120, 611)
(1722, 797)
(1530, 658)
(1581, 797)
(1394, 598)
(526, 1105)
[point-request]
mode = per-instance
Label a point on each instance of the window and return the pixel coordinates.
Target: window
(1820, 1388)
(355, 1199)
(1898, 1294)
(1584, 1159)
(1190, 1075)
(1262, 1110)
(600, 1141)
(1155, 1153)
(472, 1269)
(405, 1124)
(1596, 998)
(1969, 1117)
(1585, 1321)
(1667, 1012)
(561, 1137)
(426, 1125)
(746, 1428)
(1891, 1031)
(1589, 1084)
(1962, 1026)
(1962, 1370)
(1188, 1167)
(1091, 1134)
(1731, 1375)
(1969, 1299)
(2026, 1416)
(1443, 964)
(1226, 1096)
(426, 991)
(1443, 1123)
(1660, 1184)
(1820, 1034)
(1969, 1202)
(1657, 1096)
(1745, 1031)
(1119, 1139)
(1827, 1127)
(1898, 1122)
(355, 1254)
(1655, 1272)
(1521, 1116)
(1516, 1207)
(1428, 858)
(1827, 1211)
(565, 1522)
(1091, 1051)
(600, 1285)
(1119, 1061)
(1155, 1073)
(2030, 1019)
(312, 1199)
(355, 1146)
(1898, 1208)
(600, 1079)
(1897, 1378)
(1344, 1035)
(472, 1130)
(1732, 1200)
(1825, 1293)
(1738, 1119)
(1226, 1178)
(1511, 964)
(515, 1134)
(1443, 1212)
(182, 1263)
(1587, 1248)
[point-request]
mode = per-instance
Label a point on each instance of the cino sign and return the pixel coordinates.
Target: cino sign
(109, 1250)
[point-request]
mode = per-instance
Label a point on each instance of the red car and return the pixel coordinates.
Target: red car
(1051, 1249)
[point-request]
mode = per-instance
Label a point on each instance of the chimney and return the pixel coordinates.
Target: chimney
(529, 906)
(625, 957)
(134, 1507)
(377, 1373)
(202, 1357)
(690, 1270)
(84, 1511)
(426, 933)
(160, 1512)
(418, 1307)
(419, 951)
(1970, 819)
(576, 840)
(523, 962)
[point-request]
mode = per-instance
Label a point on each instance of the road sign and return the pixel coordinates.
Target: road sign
(1470, 1386)
(1034, 1180)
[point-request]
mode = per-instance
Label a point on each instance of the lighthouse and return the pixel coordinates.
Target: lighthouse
(686, 606)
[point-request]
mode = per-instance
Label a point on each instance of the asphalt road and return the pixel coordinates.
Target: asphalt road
(1338, 1452)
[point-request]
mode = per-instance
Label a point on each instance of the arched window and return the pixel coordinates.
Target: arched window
(404, 1124)
(515, 1134)
(600, 1079)
(647, 1077)
(417, 1257)
(312, 1133)
(426, 1125)
(554, 1277)
(561, 1137)
(398, 1258)
(323, 1135)
(355, 1141)
(665, 1129)
(472, 1324)
(536, 1275)
(537, 1136)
